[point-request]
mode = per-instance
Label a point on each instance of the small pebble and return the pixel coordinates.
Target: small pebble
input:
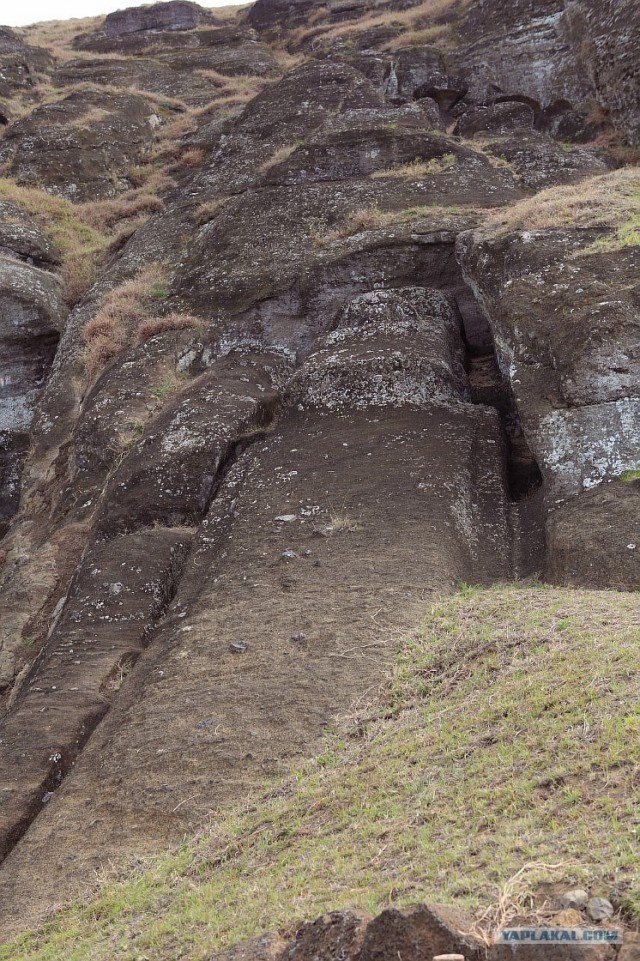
(239, 647)
(299, 637)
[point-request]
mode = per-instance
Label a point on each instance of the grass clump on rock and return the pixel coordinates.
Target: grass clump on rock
(123, 308)
(505, 745)
(610, 202)
(81, 245)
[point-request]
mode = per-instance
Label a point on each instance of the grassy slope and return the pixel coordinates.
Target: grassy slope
(508, 736)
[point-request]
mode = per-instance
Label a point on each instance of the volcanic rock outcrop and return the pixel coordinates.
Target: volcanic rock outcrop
(172, 15)
(32, 315)
(317, 384)
(21, 65)
(82, 146)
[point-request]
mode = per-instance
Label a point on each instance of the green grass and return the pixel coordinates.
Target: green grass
(507, 740)
(630, 475)
(625, 234)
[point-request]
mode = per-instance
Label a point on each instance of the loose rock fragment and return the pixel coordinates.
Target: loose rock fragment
(239, 647)
(599, 909)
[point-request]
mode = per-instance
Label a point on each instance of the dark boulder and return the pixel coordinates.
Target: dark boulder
(172, 15)
(278, 14)
(500, 118)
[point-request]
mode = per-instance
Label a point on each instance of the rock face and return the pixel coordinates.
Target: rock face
(81, 147)
(557, 52)
(171, 22)
(572, 355)
(605, 34)
(145, 73)
(350, 394)
(22, 240)
(32, 315)
(20, 66)
(275, 14)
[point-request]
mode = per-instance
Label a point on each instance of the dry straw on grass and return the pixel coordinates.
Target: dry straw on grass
(517, 899)
(373, 218)
(60, 33)
(207, 211)
(126, 316)
(610, 202)
(105, 215)
(188, 159)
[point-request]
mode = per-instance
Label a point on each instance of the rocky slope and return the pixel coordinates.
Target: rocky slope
(307, 314)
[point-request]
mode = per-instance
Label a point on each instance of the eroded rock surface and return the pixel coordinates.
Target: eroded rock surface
(32, 315)
(413, 933)
(556, 53)
(21, 65)
(82, 146)
(567, 329)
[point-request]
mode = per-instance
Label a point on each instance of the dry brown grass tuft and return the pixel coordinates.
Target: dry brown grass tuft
(207, 211)
(125, 230)
(188, 159)
(368, 218)
(279, 156)
(80, 244)
(105, 215)
(84, 233)
(102, 325)
(164, 102)
(373, 218)
(94, 115)
(217, 78)
(78, 274)
(418, 37)
(160, 325)
(149, 178)
(236, 92)
(121, 311)
(60, 33)
(99, 352)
